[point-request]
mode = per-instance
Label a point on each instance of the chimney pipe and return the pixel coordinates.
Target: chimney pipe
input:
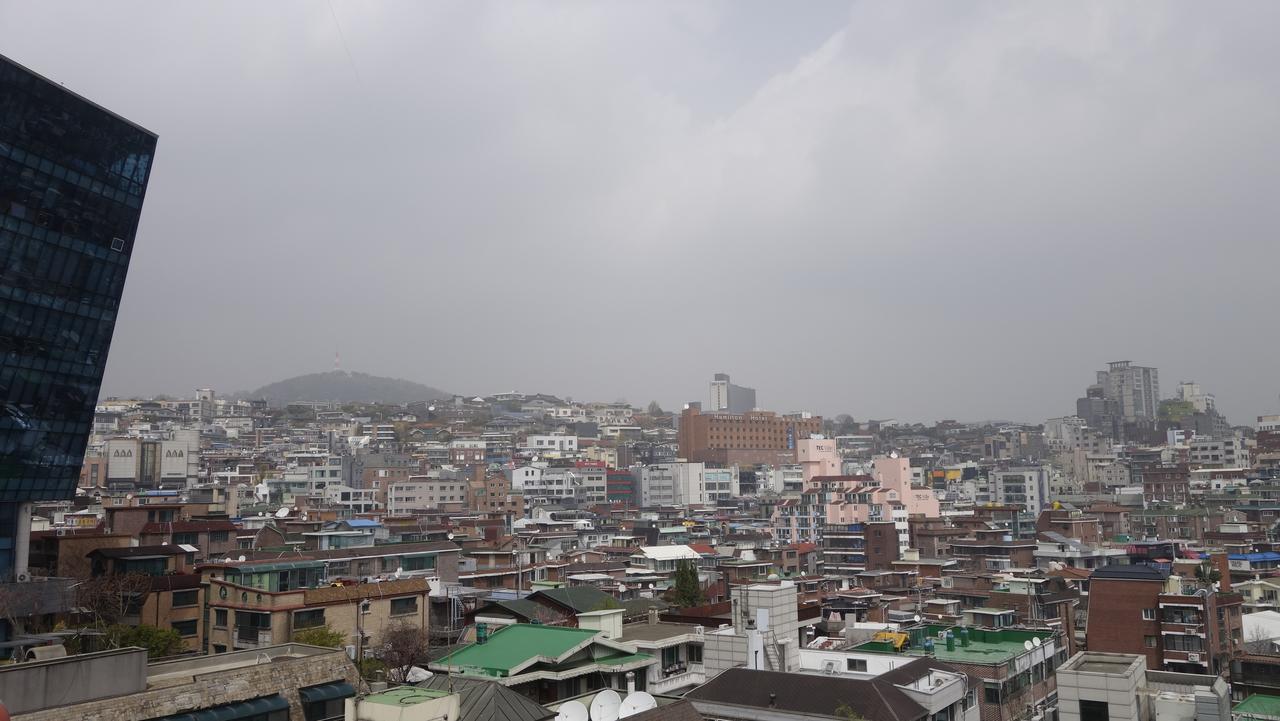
(631, 682)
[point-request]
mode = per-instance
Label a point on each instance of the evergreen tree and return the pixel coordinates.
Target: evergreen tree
(688, 591)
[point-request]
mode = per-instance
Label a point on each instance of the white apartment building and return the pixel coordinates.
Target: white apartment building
(168, 459)
(525, 476)
(350, 500)
(550, 444)
(1064, 434)
(1219, 453)
(1026, 486)
(673, 484)
(1135, 388)
(721, 484)
(421, 493)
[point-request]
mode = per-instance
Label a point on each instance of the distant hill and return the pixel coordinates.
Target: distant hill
(346, 387)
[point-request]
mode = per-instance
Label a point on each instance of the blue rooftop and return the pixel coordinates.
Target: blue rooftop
(362, 523)
(1263, 556)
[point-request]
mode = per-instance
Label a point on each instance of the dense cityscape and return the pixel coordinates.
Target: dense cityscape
(349, 546)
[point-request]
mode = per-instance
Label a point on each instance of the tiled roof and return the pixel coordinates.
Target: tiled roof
(487, 700)
(1135, 572)
(140, 551)
(808, 694)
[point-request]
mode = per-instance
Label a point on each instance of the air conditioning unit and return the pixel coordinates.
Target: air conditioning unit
(829, 667)
(60, 532)
(1193, 657)
(22, 577)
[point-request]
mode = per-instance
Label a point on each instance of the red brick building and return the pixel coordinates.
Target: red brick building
(757, 437)
(1134, 609)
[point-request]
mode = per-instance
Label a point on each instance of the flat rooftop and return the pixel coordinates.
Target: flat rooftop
(159, 674)
(986, 646)
(406, 696)
(655, 631)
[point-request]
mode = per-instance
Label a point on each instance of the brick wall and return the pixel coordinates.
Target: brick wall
(172, 695)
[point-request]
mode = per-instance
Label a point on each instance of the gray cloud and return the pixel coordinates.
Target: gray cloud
(888, 209)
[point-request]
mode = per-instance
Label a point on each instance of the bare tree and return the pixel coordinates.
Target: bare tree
(404, 646)
(108, 599)
(1258, 642)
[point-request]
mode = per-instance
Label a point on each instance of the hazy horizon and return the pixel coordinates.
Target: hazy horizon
(894, 211)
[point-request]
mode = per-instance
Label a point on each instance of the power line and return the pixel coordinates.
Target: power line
(343, 37)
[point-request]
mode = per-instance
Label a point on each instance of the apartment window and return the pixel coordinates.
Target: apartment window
(1148, 614)
(220, 618)
(856, 664)
(185, 598)
(1149, 641)
(991, 692)
(402, 606)
(218, 537)
(1094, 711)
(184, 628)
(694, 653)
(309, 618)
(189, 539)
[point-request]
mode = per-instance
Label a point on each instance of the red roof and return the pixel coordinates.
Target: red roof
(703, 548)
(804, 547)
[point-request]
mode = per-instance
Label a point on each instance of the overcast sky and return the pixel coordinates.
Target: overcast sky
(911, 210)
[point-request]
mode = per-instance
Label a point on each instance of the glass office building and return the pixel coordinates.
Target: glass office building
(72, 180)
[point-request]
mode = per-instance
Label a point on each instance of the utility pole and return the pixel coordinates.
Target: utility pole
(362, 608)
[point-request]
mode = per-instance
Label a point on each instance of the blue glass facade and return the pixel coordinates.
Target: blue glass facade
(72, 179)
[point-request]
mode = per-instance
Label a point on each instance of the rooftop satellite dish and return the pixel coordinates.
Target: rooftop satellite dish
(605, 706)
(1037, 642)
(572, 711)
(622, 588)
(916, 618)
(635, 703)
(282, 513)
(449, 536)
(399, 571)
(242, 559)
(652, 586)
(1027, 645)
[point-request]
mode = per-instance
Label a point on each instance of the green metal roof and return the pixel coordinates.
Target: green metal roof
(1258, 705)
(513, 645)
(621, 659)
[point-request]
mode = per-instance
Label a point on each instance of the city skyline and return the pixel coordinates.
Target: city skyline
(916, 198)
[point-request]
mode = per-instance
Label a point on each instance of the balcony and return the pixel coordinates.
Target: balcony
(252, 637)
(1182, 629)
(687, 675)
(1175, 656)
